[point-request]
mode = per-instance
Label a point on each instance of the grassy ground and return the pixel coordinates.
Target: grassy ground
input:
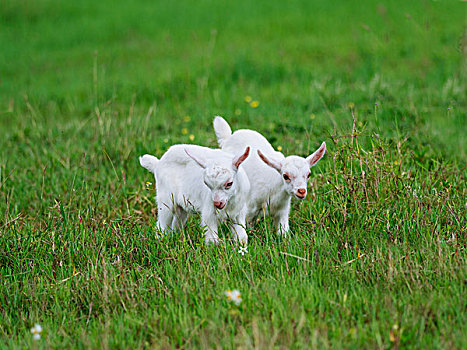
(377, 256)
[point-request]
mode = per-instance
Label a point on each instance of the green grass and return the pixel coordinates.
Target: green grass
(86, 87)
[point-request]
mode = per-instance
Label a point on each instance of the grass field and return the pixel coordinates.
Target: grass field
(376, 258)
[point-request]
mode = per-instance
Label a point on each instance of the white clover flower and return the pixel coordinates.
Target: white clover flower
(36, 331)
(234, 296)
(243, 250)
(416, 191)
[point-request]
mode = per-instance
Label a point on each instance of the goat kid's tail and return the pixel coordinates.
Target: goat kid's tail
(149, 162)
(222, 130)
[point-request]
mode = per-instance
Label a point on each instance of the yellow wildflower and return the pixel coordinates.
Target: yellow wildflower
(254, 104)
(184, 131)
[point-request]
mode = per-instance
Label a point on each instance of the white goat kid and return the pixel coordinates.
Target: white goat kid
(274, 179)
(194, 178)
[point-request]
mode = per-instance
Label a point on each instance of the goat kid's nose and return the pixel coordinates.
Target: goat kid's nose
(219, 204)
(301, 193)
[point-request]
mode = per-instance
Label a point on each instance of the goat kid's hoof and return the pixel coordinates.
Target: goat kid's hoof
(243, 240)
(212, 240)
(283, 234)
(160, 235)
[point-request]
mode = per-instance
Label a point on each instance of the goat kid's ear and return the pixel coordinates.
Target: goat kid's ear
(271, 162)
(240, 158)
(315, 157)
(201, 162)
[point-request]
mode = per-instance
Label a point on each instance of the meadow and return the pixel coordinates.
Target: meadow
(376, 257)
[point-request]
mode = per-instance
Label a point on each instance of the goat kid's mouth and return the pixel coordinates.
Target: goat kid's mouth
(300, 196)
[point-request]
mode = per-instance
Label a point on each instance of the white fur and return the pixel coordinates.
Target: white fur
(266, 169)
(193, 178)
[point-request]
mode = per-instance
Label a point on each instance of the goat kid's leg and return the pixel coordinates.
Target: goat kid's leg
(239, 233)
(164, 219)
(211, 228)
(282, 223)
(238, 230)
(179, 218)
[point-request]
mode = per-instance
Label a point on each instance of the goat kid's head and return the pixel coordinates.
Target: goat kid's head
(295, 170)
(220, 175)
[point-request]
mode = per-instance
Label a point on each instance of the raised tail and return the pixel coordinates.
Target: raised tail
(222, 130)
(149, 162)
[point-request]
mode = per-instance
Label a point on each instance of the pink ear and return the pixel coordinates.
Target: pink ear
(201, 162)
(239, 159)
(315, 157)
(272, 163)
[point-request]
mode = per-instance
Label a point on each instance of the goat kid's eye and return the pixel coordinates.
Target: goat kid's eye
(286, 177)
(228, 185)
